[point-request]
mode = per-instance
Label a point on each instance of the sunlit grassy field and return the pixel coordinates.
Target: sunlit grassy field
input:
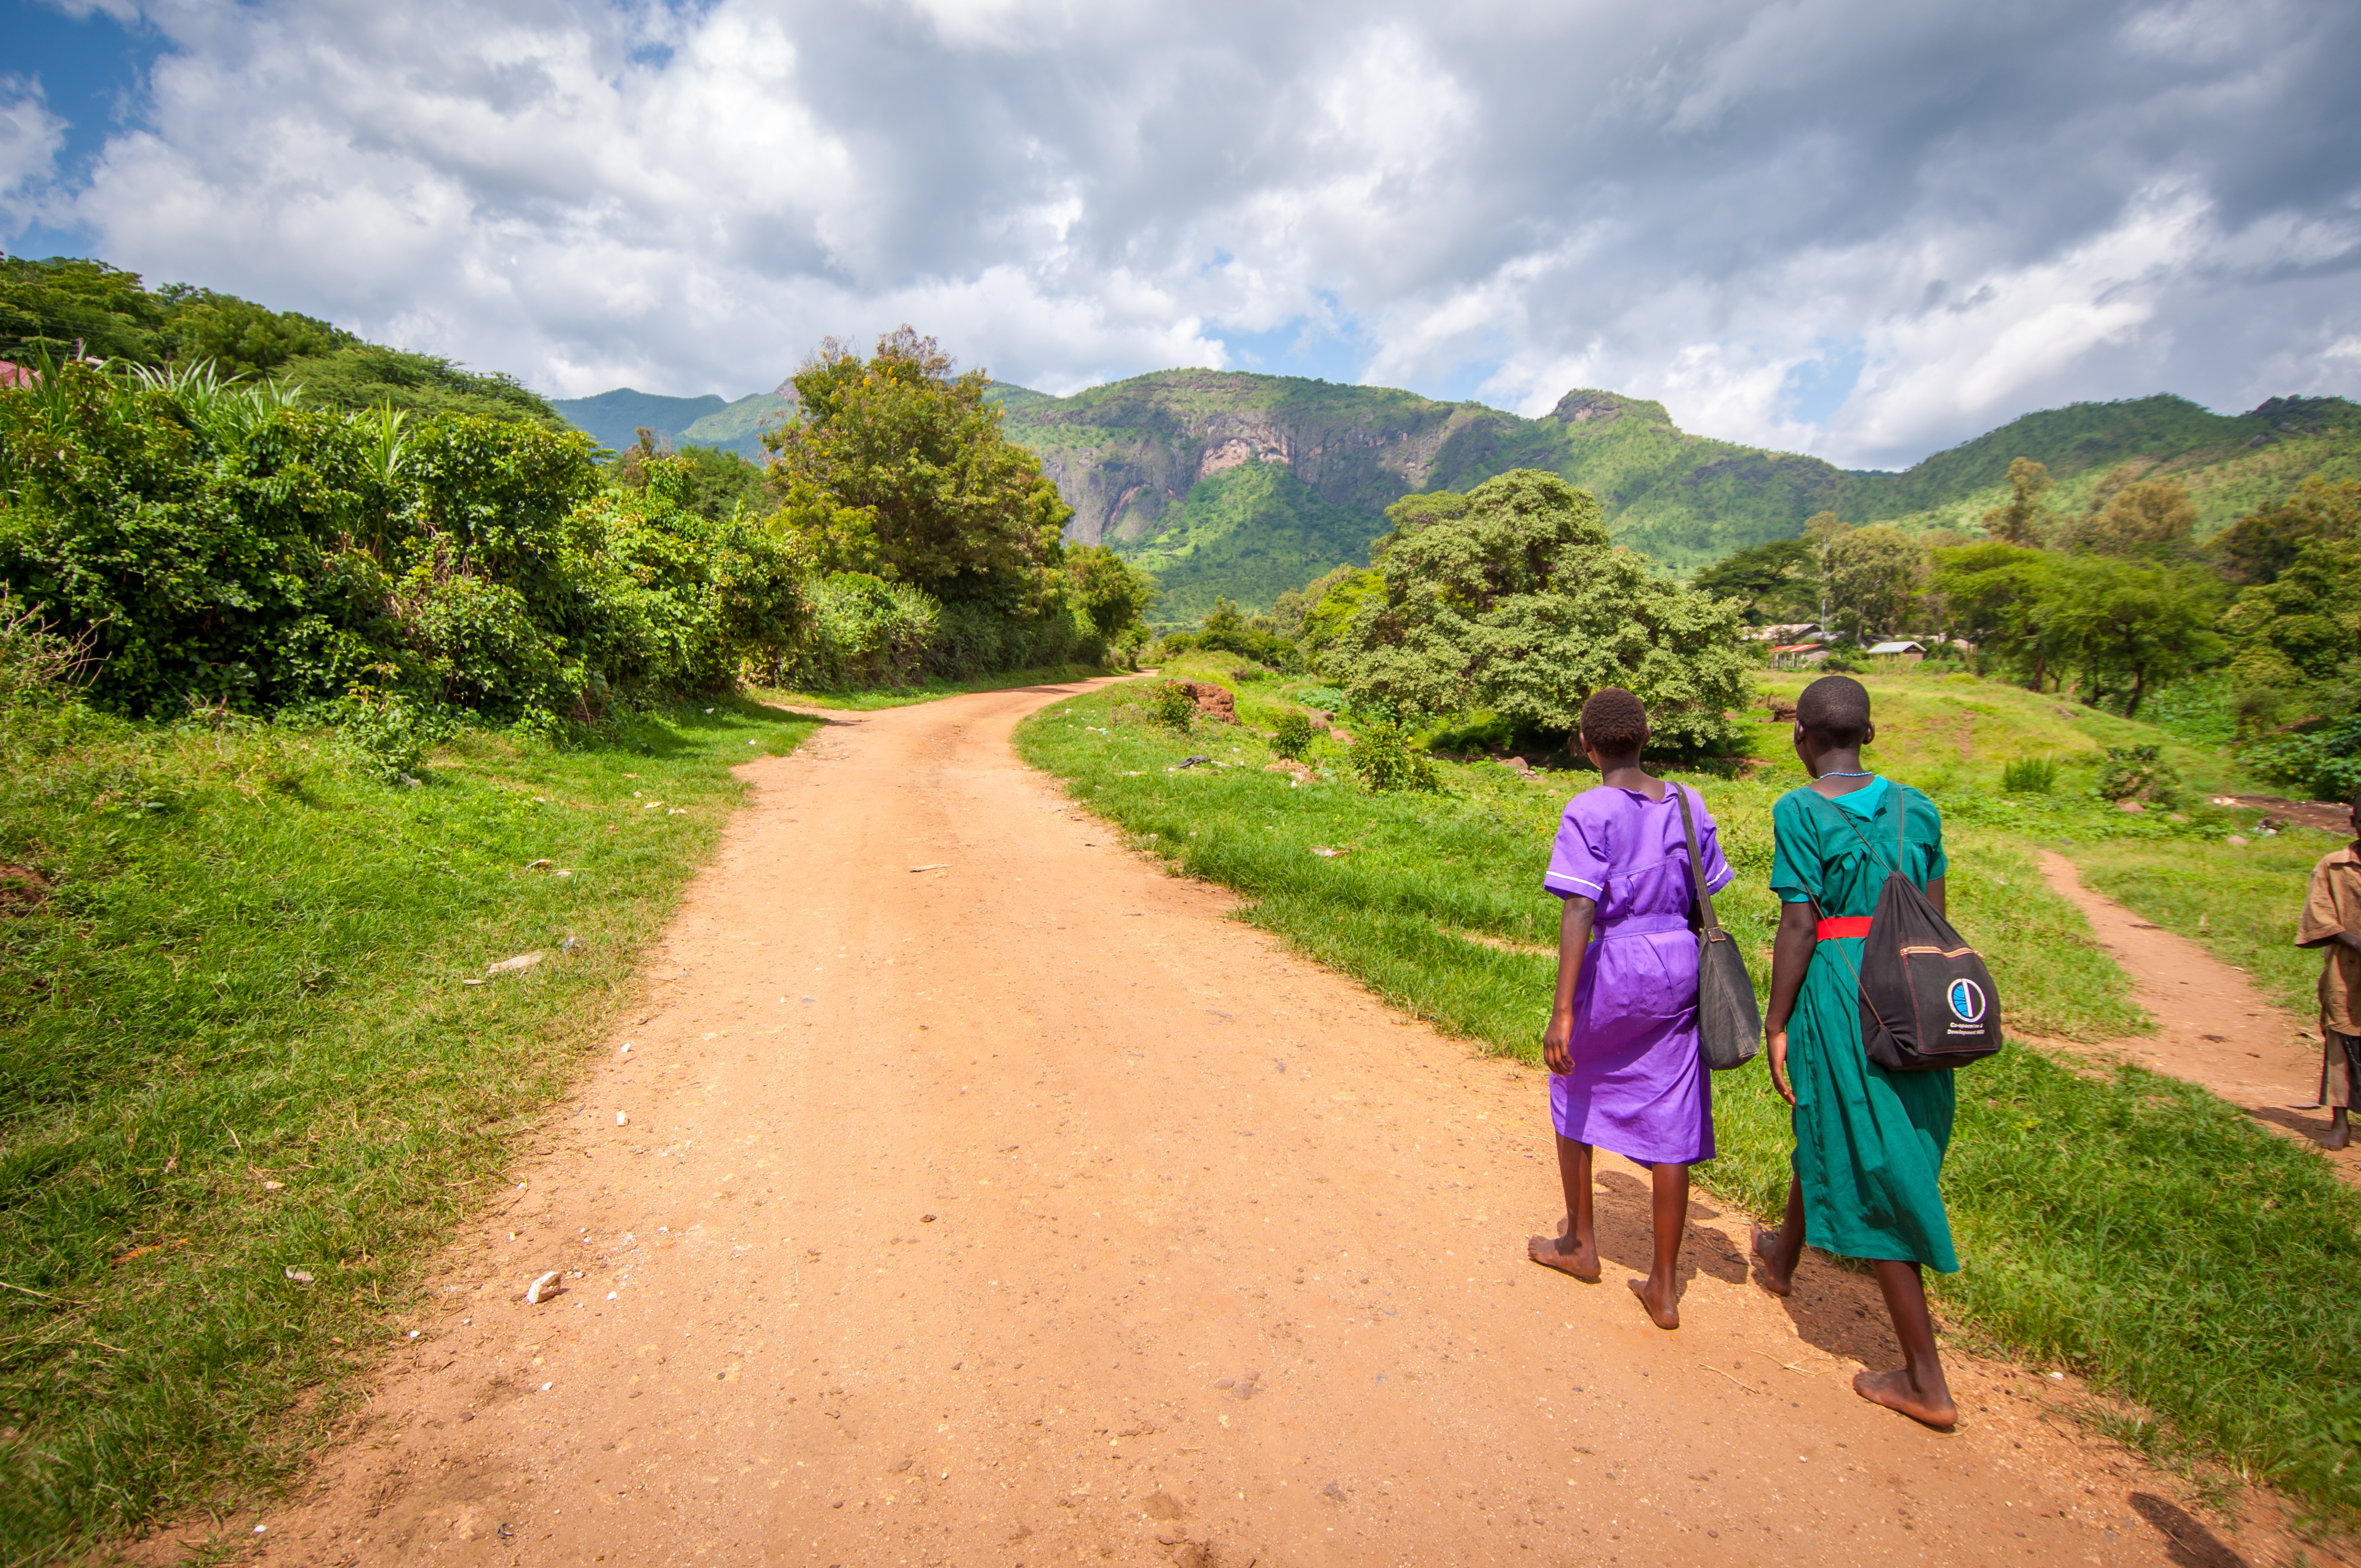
(244, 1081)
(2130, 1225)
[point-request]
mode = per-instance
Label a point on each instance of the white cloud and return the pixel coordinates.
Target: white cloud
(1996, 207)
(29, 138)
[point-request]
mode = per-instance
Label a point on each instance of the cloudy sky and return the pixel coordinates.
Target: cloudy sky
(1860, 228)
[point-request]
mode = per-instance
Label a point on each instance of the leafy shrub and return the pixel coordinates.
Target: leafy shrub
(2137, 773)
(1328, 699)
(386, 731)
(1170, 704)
(2030, 776)
(1386, 760)
(866, 632)
(2323, 763)
(1292, 736)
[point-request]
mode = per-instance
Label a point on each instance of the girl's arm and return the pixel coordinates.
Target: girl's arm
(1573, 936)
(1791, 957)
(1935, 897)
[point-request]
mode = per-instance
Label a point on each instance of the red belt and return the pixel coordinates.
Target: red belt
(1833, 927)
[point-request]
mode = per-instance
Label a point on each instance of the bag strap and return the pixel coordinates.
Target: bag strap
(1697, 860)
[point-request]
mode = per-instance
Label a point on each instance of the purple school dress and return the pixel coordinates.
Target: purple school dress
(1639, 1086)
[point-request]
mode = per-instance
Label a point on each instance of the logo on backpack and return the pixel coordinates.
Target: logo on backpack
(1967, 1001)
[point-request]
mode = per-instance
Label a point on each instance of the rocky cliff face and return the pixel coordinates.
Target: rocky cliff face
(1127, 455)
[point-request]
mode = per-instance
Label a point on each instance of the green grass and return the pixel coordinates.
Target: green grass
(236, 1039)
(868, 699)
(2134, 1227)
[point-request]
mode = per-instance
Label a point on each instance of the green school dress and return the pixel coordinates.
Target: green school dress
(1869, 1143)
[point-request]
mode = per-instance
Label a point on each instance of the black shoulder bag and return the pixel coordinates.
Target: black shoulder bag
(1926, 999)
(1729, 1026)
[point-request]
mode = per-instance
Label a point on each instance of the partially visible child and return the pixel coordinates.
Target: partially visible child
(2331, 922)
(1627, 1072)
(1868, 1143)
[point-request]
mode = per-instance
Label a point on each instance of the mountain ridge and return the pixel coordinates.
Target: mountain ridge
(1169, 467)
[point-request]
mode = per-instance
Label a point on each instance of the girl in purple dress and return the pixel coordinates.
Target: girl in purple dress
(1627, 1073)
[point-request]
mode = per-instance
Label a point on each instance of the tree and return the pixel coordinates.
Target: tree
(2131, 626)
(1873, 575)
(1992, 595)
(2022, 520)
(1774, 582)
(1110, 590)
(898, 447)
(2302, 627)
(1520, 603)
(2148, 517)
(47, 308)
(2260, 546)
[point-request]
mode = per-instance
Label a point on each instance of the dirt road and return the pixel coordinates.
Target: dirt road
(971, 1193)
(2214, 1027)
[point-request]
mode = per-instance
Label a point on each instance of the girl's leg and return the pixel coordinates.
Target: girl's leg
(1660, 1293)
(2340, 1131)
(1777, 1253)
(1575, 1252)
(1917, 1390)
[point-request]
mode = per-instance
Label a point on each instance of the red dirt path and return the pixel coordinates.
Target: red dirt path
(1025, 1210)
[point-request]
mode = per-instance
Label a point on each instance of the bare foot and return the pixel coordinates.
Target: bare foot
(1767, 1272)
(1664, 1310)
(1896, 1392)
(1561, 1253)
(2339, 1136)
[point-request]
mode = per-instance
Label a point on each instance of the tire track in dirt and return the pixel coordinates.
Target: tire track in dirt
(1023, 1210)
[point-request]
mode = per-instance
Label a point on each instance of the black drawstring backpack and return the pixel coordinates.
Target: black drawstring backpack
(1730, 1028)
(1926, 999)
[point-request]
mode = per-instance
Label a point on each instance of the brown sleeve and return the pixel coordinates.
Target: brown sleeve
(2319, 920)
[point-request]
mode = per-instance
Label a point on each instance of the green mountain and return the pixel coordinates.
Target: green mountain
(1227, 483)
(615, 419)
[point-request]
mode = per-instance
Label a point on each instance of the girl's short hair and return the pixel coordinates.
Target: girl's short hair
(1834, 710)
(1614, 722)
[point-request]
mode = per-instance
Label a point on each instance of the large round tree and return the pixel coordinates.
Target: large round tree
(1512, 597)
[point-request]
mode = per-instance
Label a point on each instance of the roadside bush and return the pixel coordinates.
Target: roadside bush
(1292, 736)
(1384, 758)
(866, 632)
(2030, 776)
(2323, 763)
(2138, 772)
(1170, 704)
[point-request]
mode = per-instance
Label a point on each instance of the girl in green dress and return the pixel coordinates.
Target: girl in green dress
(1869, 1143)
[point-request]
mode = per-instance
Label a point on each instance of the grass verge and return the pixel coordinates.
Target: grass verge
(245, 1084)
(2134, 1227)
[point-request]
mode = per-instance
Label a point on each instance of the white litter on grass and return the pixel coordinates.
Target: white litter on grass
(532, 1291)
(298, 1275)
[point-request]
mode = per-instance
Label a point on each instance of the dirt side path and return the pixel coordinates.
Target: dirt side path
(2212, 1026)
(1023, 1210)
